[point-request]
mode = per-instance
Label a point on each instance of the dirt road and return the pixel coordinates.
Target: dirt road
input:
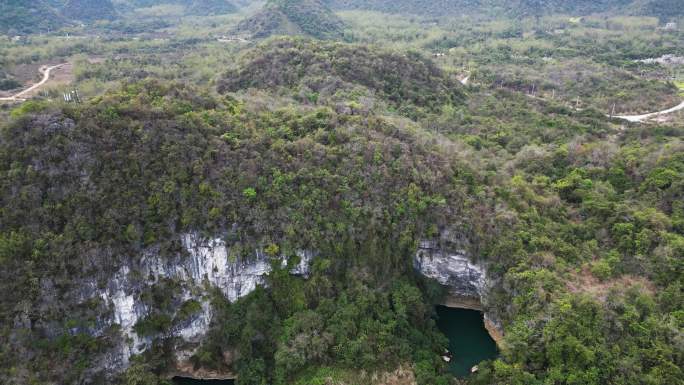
(45, 70)
(644, 117)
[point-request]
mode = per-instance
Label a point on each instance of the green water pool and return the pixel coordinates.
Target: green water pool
(469, 341)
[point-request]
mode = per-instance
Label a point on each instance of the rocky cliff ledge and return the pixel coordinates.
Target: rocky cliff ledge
(448, 261)
(464, 279)
(206, 264)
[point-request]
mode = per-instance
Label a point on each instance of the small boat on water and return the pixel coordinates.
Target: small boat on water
(447, 356)
(474, 369)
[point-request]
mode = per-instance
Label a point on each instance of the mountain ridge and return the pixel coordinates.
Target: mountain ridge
(18, 17)
(89, 10)
(293, 17)
(660, 8)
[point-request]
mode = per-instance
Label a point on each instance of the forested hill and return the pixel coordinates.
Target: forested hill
(664, 9)
(168, 159)
(660, 8)
(20, 16)
(89, 10)
(362, 189)
(408, 82)
(292, 210)
(192, 7)
(24, 17)
(293, 17)
(210, 7)
(419, 7)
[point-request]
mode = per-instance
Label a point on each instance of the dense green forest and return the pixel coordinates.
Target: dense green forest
(379, 126)
(293, 17)
(18, 16)
(665, 9)
(314, 71)
(191, 7)
(89, 10)
(210, 7)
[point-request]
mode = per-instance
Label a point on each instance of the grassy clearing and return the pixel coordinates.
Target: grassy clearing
(680, 84)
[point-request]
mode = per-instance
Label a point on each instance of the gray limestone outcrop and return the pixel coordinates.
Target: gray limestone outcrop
(452, 269)
(206, 264)
(449, 261)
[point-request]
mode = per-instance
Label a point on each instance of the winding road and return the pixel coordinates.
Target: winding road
(45, 70)
(641, 118)
(46, 76)
(630, 118)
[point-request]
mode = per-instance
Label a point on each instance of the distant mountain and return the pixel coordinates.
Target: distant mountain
(151, 3)
(418, 7)
(660, 8)
(23, 17)
(331, 68)
(293, 17)
(664, 9)
(89, 10)
(56, 4)
(210, 7)
(192, 7)
(575, 7)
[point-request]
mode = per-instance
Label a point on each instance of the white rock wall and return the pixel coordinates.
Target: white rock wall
(207, 263)
(452, 269)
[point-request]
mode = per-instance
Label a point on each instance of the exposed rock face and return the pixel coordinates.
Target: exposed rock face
(668, 60)
(495, 330)
(208, 264)
(448, 261)
(452, 268)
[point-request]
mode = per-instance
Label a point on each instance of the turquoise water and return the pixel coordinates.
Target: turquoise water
(192, 381)
(469, 341)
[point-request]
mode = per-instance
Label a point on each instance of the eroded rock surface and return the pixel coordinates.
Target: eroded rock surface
(202, 265)
(448, 261)
(451, 265)
(207, 264)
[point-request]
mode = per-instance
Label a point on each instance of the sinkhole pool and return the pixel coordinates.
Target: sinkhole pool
(469, 341)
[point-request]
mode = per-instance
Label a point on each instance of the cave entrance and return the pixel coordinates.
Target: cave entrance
(469, 340)
(194, 381)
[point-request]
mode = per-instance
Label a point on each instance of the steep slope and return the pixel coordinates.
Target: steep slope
(419, 7)
(56, 4)
(192, 7)
(293, 17)
(89, 10)
(20, 17)
(662, 8)
(575, 7)
(326, 69)
(210, 7)
(171, 161)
